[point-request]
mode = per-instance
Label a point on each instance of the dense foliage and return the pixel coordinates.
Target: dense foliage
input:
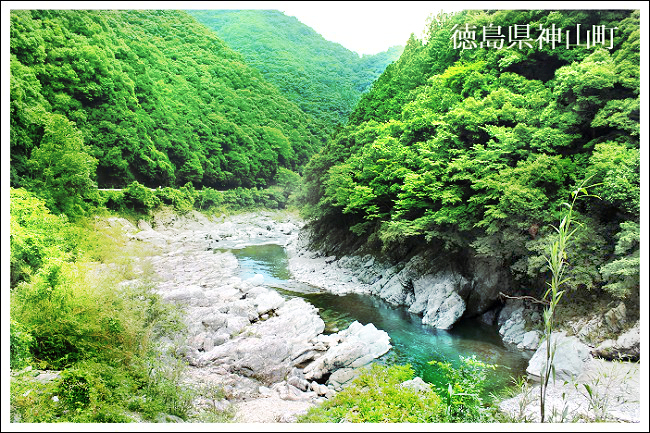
(147, 96)
(380, 394)
(476, 149)
(323, 78)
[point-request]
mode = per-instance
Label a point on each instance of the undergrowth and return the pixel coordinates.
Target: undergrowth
(82, 305)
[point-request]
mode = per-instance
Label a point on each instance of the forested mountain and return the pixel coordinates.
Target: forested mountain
(151, 96)
(325, 79)
(474, 146)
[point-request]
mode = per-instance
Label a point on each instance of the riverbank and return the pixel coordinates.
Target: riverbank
(246, 345)
(234, 324)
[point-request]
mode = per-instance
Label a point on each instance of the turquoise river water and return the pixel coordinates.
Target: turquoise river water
(413, 343)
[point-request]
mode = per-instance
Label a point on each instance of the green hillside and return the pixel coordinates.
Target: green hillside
(323, 78)
(475, 150)
(147, 96)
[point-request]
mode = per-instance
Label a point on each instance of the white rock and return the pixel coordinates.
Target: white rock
(256, 280)
(569, 359)
(530, 341)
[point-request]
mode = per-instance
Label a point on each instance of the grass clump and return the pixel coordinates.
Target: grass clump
(378, 395)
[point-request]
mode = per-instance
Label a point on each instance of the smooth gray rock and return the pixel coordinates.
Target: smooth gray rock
(512, 331)
(359, 346)
(626, 347)
(443, 312)
(184, 294)
(268, 301)
(569, 359)
(511, 305)
(342, 376)
(615, 318)
(143, 225)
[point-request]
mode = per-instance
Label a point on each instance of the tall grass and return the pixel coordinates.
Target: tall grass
(557, 263)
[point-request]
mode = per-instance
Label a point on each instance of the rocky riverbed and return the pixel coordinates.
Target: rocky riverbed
(265, 354)
(268, 355)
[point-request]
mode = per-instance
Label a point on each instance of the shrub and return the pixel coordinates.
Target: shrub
(377, 396)
(464, 386)
(137, 197)
(20, 342)
(182, 199)
(208, 197)
(36, 236)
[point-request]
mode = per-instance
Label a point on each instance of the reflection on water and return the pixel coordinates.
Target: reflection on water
(413, 342)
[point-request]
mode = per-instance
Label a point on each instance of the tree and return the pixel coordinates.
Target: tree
(62, 169)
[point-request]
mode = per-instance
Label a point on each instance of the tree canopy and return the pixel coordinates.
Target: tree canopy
(152, 96)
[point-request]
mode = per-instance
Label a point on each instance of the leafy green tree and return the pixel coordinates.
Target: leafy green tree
(624, 271)
(323, 78)
(61, 167)
(157, 98)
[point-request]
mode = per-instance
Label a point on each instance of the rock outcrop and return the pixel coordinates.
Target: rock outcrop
(613, 396)
(626, 346)
(348, 351)
(427, 284)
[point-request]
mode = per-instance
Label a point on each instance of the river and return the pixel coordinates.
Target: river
(413, 343)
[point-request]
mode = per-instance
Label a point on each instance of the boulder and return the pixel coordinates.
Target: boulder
(529, 341)
(443, 312)
(512, 331)
(626, 347)
(262, 359)
(341, 377)
(510, 307)
(268, 301)
(569, 359)
(487, 277)
(615, 318)
(359, 346)
(143, 225)
(235, 325)
(256, 280)
(214, 321)
(184, 294)
(295, 320)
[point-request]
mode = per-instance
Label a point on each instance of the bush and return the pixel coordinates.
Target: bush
(208, 197)
(181, 199)
(36, 236)
(20, 342)
(73, 315)
(377, 396)
(463, 391)
(137, 197)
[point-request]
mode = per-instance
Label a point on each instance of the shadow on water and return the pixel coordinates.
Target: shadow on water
(413, 343)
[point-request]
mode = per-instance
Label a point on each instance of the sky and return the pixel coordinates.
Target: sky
(360, 26)
(363, 27)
